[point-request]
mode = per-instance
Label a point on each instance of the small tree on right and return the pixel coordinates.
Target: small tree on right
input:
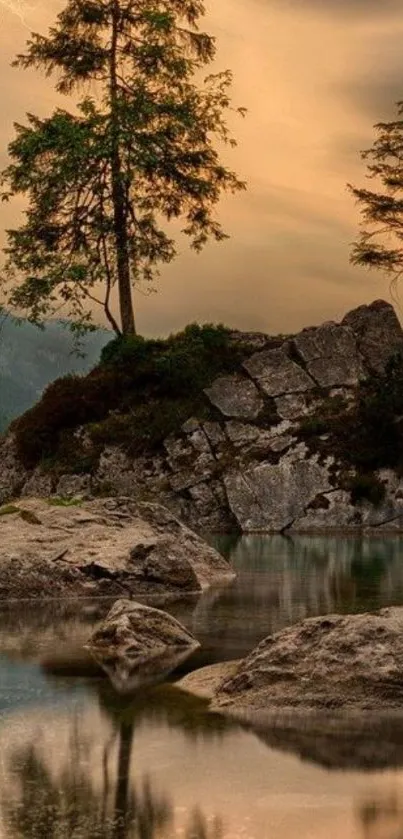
(380, 242)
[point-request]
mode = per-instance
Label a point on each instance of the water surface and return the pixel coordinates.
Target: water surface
(79, 762)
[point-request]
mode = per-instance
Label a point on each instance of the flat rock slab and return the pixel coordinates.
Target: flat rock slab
(205, 681)
(109, 547)
(235, 396)
(137, 645)
(337, 663)
(277, 374)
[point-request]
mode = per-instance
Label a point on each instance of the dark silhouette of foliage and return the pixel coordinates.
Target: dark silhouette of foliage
(381, 237)
(140, 393)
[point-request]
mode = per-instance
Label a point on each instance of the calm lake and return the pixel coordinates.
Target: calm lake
(79, 762)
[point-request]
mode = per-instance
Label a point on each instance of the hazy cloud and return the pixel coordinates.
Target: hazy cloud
(315, 75)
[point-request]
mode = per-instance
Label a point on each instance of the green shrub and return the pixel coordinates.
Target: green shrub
(141, 391)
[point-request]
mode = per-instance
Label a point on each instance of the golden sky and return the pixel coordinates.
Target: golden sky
(315, 76)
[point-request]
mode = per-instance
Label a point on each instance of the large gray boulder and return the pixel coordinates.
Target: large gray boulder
(108, 546)
(138, 645)
(351, 664)
(378, 333)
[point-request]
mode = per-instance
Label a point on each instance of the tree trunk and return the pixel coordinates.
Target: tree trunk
(126, 731)
(118, 192)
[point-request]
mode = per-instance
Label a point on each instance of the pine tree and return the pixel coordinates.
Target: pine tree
(137, 152)
(380, 244)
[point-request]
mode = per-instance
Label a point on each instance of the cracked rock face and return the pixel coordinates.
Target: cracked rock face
(109, 547)
(268, 498)
(330, 354)
(277, 374)
(243, 464)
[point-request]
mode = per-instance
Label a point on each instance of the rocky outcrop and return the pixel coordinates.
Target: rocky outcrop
(137, 645)
(350, 664)
(245, 461)
(377, 332)
(109, 547)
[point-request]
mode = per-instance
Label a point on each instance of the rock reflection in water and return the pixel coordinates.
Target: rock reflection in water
(281, 580)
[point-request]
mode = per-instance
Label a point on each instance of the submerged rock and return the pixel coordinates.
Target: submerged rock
(137, 645)
(109, 547)
(337, 663)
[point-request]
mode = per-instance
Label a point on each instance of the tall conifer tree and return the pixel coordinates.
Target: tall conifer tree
(141, 149)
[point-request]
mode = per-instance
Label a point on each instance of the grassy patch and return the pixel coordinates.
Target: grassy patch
(9, 510)
(64, 502)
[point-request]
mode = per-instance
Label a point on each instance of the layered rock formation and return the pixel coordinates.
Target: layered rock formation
(248, 465)
(109, 547)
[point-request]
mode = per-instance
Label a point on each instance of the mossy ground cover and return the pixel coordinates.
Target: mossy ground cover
(140, 392)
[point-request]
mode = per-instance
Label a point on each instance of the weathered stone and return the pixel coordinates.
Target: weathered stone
(277, 374)
(179, 452)
(378, 333)
(138, 645)
(235, 396)
(291, 406)
(215, 433)
(190, 425)
(116, 473)
(252, 340)
(39, 484)
(203, 497)
(330, 354)
(243, 435)
(269, 498)
(334, 663)
(281, 443)
(70, 486)
(335, 511)
(105, 546)
(199, 441)
(13, 475)
(202, 468)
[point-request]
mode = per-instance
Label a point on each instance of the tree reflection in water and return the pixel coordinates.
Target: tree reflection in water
(382, 818)
(199, 827)
(70, 808)
(48, 805)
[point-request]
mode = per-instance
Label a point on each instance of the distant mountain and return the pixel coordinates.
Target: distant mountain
(31, 358)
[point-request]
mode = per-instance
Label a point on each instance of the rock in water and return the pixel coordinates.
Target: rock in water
(109, 547)
(351, 663)
(137, 645)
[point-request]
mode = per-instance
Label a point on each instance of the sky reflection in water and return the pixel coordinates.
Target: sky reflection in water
(78, 762)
